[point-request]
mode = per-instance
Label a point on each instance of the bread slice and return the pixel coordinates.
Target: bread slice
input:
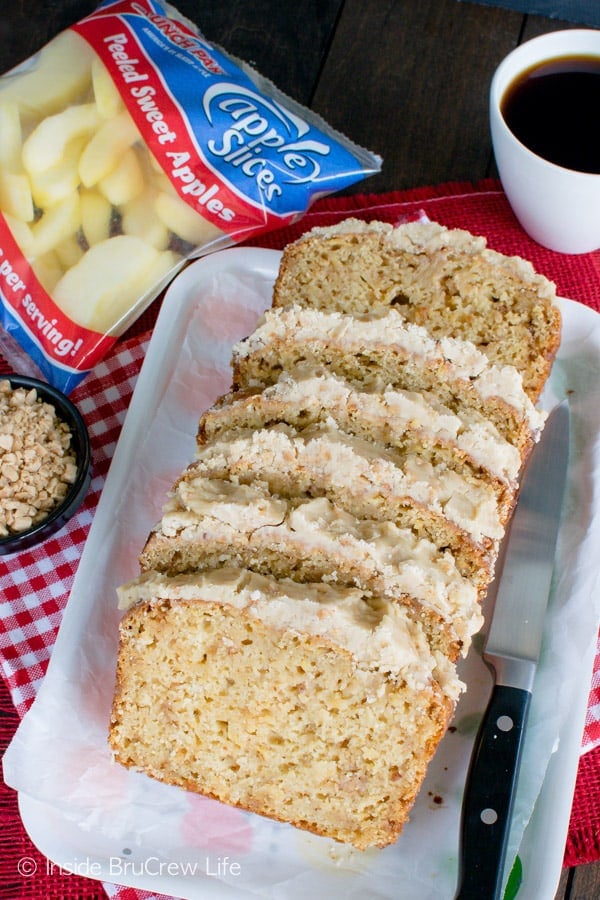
(305, 703)
(212, 522)
(453, 511)
(444, 279)
(384, 352)
(406, 421)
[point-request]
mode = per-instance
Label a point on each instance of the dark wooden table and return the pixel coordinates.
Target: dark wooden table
(407, 79)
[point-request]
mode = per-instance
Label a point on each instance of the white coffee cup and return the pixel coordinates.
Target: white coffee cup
(558, 207)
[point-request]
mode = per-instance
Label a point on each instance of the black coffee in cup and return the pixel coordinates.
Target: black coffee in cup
(553, 108)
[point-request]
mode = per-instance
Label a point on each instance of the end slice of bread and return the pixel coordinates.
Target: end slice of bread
(306, 704)
(445, 279)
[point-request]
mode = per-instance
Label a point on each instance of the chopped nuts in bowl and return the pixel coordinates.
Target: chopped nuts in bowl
(45, 461)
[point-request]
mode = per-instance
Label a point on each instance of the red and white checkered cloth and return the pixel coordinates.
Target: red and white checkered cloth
(35, 585)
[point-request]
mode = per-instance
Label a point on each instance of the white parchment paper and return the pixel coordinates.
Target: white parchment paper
(95, 817)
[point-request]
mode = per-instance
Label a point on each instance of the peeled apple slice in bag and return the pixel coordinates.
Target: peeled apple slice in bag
(110, 279)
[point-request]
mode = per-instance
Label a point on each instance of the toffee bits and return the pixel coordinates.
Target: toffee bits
(37, 467)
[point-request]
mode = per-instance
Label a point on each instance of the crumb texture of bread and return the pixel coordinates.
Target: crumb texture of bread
(290, 644)
(281, 724)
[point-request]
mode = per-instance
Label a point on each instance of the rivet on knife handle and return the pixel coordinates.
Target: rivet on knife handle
(488, 800)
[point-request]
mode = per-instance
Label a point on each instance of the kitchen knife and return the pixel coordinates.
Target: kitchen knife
(511, 651)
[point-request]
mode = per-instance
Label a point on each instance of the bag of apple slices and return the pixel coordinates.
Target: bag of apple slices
(129, 145)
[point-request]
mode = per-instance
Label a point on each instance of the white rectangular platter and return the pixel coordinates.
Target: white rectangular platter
(91, 816)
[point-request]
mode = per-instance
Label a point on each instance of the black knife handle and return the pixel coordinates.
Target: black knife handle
(489, 793)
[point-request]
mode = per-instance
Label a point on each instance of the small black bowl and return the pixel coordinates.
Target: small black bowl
(68, 413)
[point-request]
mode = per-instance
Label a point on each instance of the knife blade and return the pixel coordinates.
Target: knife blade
(511, 651)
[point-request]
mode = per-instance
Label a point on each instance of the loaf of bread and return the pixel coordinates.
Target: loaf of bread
(290, 643)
